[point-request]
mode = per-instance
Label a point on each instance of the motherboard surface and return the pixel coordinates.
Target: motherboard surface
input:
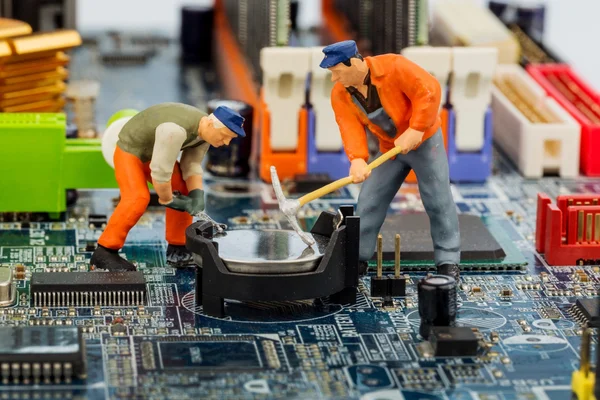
(521, 310)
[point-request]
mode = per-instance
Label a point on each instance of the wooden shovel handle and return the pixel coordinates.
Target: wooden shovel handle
(340, 183)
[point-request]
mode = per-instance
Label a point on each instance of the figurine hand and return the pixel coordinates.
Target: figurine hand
(359, 170)
(409, 140)
(197, 204)
(180, 203)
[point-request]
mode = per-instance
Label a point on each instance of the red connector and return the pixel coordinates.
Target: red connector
(583, 103)
(568, 232)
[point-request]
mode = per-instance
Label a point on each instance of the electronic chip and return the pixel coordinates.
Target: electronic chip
(211, 355)
(449, 341)
(48, 354)
(587, 311)
(62, 289)
(97, 221)
(477, 243)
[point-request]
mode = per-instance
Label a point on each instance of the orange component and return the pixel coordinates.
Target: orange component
(234, 71)
(132, 175)
(334, 23)
(233, 68)
(288, 164)
(13, 27)
(59, 60)
(54, 104)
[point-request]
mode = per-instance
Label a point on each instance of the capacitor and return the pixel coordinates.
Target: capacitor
(232, 161)
(531, 18)
(196, 36)
(437, 302)
(529, 15)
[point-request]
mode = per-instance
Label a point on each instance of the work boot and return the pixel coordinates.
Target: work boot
(110, 260)
(179, 256)
(449, 270)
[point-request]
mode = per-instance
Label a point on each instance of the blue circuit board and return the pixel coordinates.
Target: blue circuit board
(168, 349)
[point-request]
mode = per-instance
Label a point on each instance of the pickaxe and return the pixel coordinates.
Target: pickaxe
(290, 207)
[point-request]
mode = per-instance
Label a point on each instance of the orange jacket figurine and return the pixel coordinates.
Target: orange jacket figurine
(398, 102)
(146, 151)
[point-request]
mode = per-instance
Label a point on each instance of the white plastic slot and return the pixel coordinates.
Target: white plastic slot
(470, 93)
(327, 133)
(285, 70)
(467, 23)
(435, 60)
(550, 146)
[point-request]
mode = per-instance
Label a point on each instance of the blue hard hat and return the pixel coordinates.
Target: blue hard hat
(338, 52)
(231, 119)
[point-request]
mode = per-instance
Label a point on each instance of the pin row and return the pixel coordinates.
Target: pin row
(65, 299)
(36, 373)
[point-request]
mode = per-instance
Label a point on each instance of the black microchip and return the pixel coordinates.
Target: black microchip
(97, 220)
(588, 312)
(451, 341)
(198, 355)
(477, 243)
(64, 289)
(49, 354)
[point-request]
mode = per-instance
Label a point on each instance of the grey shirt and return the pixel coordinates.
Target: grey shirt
(158, 133)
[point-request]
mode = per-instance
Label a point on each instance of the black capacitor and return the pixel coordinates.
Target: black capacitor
(437, 302)
(499, 9)
(232, 161)
(529, 16)
(531, 20)
(196, 36)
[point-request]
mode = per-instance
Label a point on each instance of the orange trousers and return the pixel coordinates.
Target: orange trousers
(132, 176)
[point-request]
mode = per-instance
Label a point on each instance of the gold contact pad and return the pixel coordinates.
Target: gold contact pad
(60, 60)
(54, 104)
(47, 94)
(59, 74)
(27, 85)
(38, 42)
(12, 27)
(54, 87)
(532, 112)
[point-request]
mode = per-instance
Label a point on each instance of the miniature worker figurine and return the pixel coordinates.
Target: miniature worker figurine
(398, 102)
(147, 150)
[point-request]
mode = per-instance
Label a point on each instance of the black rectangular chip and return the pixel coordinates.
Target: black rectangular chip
(65, 289)
(41, 354)
(587, 311)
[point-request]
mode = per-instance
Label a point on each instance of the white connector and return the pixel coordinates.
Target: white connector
(470, 93)
(467, 23)
(285, 70)
(531, 127)
(327, 133)
(435, 60)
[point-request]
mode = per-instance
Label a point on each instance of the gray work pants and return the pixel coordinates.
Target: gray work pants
(430, 164)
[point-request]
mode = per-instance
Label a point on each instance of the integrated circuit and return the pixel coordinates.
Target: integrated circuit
(477, 243)
(209, 355)
(41, 354)
(65, 289)
(448, 341)
(587, 311)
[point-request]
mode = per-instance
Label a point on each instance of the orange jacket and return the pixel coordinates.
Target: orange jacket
(409, 94)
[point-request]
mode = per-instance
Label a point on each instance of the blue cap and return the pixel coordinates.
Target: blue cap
(338, 52)
(231, 119)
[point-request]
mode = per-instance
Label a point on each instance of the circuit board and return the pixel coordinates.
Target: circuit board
(529, 337)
